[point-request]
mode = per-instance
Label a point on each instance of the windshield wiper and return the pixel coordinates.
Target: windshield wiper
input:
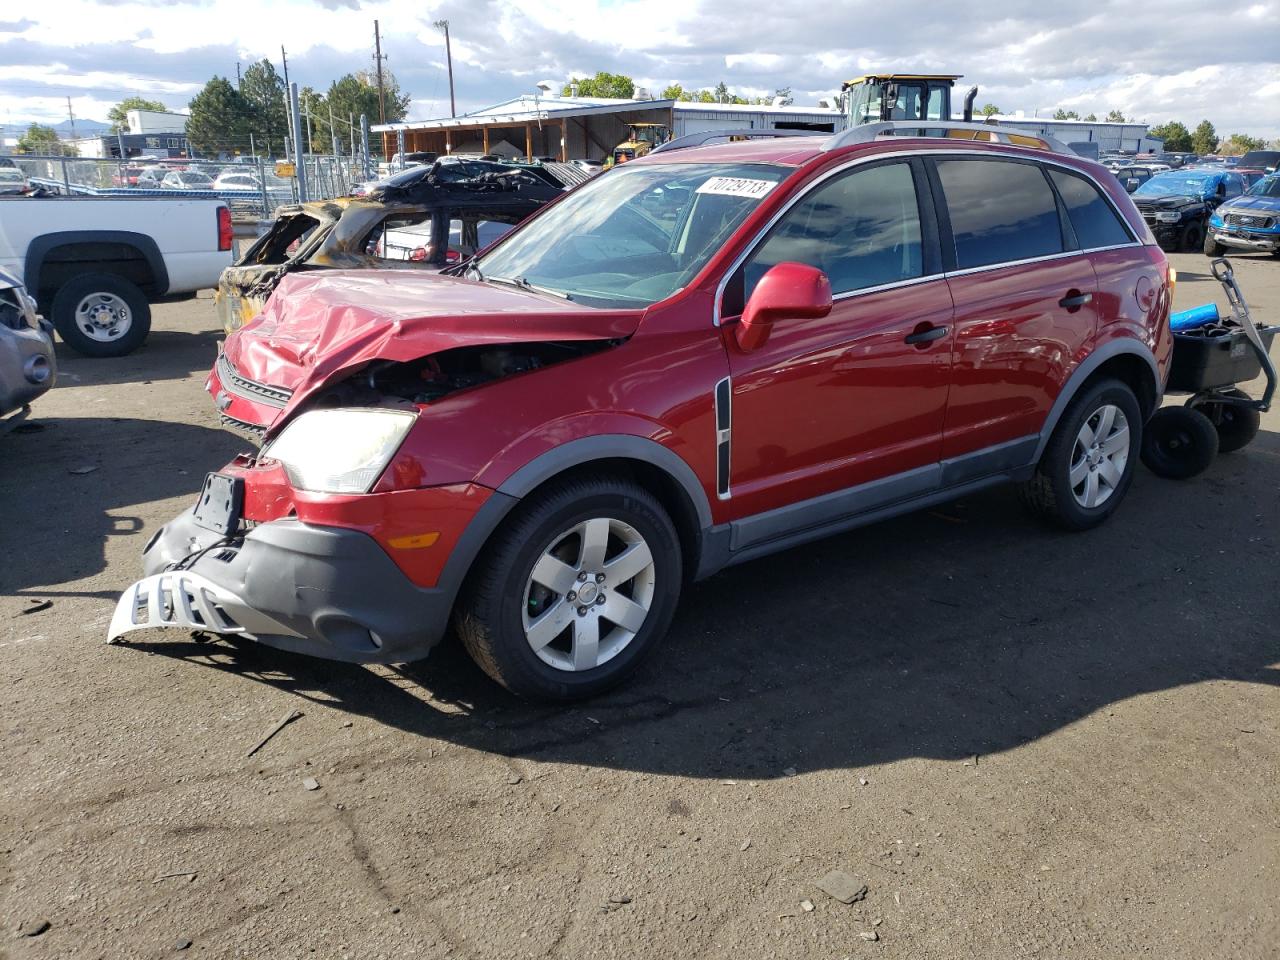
(524, 284)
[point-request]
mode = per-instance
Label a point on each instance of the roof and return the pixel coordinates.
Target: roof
(1009, 118)
(526, 109)
(904, 76)
(690, 106)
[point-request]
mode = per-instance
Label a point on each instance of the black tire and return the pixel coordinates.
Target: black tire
(1180, 442)
(1211, 247)
(1049, 492)
(489, 615)
(1236, 425)
(69, 298)
(1192, 238)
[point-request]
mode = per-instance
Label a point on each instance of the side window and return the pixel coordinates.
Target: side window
(861, 229)
(1094, 220)
(1001, 211)
(1235, 186)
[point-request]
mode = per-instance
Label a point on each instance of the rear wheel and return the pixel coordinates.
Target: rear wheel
(1088, 464)
(1180, 443)
(1193, 237)
(101, 315)
(1235, 423)
(574, 591)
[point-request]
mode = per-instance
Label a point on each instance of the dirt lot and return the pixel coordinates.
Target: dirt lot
(1025, 744)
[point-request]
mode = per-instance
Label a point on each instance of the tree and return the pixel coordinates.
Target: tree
(1066, 115)
(611, 85)
(220, 118)
(1176, 137)
(313, 106)
(989, 110)
(1239, 144)
(119, 114)
(44, 140)
(1091, 118)
(357, 93)
(263, 90)
(674, 92)
(1115, 116)
(1204, 139)
(784, 95)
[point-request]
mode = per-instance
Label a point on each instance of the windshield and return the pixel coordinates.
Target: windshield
(1175, 185)
(1269, 187)
(635, 235)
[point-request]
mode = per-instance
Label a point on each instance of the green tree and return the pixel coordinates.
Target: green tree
(313, 106)
(119, 114)
(263, 89)
(674, 92)
(989, 110)
(44, 140)
(1066, 115)
(357, 93)
(1091, 118)
(1204, 139)
(615, 85)
(1176, 137)
(220, 118)
(1115, 116)
(785, 94)
(1239, 144)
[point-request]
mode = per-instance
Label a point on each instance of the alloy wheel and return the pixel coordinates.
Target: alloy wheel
(1099, 456)
(588, 594)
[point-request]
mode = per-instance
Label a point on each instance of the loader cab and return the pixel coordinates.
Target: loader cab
(641, 138)
(900, 96)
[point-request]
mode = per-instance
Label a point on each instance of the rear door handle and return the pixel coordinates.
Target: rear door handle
(926, 335)
(1074, 300)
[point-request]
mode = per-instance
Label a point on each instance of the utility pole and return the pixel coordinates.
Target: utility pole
(288, 117)
(448, 54)
(238, 80)
(72, 117)
(299, 169)
(377, 55)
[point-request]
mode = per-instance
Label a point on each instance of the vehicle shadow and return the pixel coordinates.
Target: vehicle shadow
(964, 630)
(67, 516)
(166, 355)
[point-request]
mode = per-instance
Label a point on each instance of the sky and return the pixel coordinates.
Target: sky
(1183, 60)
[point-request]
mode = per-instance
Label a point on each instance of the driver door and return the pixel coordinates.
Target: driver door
(859, 395)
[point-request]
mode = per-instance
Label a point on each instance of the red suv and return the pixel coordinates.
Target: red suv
(698, 358)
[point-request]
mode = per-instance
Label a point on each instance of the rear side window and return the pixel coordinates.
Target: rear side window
(1094, 220)
(1001, 211)
(862, 229)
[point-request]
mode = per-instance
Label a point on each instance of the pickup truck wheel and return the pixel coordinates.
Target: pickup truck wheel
(573, 591)
(1192, 238)
(101, 315)
(1090, 459)
(1212, 248)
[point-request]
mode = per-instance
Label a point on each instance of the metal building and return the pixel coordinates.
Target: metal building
(1130, 137)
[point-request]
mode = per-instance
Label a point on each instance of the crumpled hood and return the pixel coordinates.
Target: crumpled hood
(1166, 203)
(318, 326)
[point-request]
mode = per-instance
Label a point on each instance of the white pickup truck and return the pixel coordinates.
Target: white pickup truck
(96, 264)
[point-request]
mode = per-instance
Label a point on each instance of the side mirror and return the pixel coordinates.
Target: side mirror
(786, 290)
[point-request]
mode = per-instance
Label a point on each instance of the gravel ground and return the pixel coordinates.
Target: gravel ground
(1025, 744)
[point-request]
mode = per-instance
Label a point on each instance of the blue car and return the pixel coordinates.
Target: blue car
(1177, 204)
(1251, 222)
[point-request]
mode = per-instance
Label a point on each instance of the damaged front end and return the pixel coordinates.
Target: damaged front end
(28, 367)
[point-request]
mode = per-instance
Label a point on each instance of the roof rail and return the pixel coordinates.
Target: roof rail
(950, 129)
(740, 133)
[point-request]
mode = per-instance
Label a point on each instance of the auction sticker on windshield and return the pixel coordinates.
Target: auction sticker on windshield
(737, 187)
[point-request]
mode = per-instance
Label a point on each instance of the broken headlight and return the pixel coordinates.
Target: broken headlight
(339, 451)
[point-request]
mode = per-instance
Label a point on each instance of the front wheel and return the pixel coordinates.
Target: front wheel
(1212, 248)
(1193, 237)
(1089, 461)
(573, 591)
(101, 315)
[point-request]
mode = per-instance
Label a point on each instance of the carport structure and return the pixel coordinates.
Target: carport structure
(561, 128)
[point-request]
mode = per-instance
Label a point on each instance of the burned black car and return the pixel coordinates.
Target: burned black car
(427, 217)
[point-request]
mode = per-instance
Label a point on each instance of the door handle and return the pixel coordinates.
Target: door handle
(1074, 300)
(927, 335)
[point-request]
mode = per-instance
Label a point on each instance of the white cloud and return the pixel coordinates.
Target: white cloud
(1183, 62)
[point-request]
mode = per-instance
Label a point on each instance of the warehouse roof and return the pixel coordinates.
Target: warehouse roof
(526, 109)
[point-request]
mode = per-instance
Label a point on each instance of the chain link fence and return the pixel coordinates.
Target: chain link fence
(251, 188)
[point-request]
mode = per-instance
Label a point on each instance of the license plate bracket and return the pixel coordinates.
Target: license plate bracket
(220, 504)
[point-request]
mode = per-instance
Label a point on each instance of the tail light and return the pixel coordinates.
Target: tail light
(224, 229)
(418, 254)
(452, 256)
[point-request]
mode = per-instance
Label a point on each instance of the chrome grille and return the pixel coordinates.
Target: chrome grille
(250, 389)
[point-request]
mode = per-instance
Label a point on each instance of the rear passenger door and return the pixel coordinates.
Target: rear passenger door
(1025, 307)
